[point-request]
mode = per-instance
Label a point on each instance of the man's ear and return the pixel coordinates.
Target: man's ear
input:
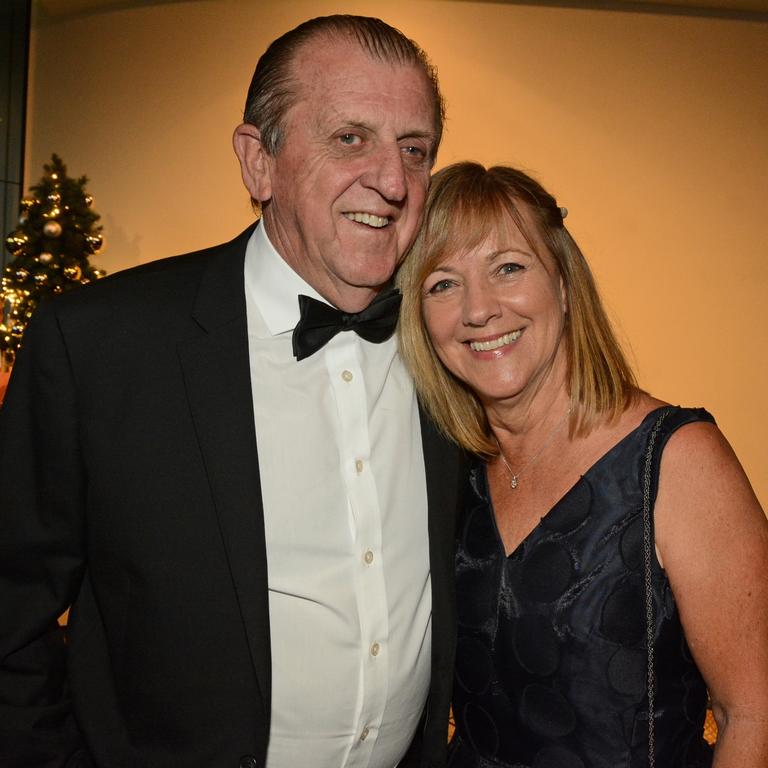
(254, 166)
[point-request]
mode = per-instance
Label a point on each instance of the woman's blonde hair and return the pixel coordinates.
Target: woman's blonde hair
(466, 204)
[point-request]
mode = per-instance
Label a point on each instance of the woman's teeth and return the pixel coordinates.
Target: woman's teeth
(486, 346)
(371, 219)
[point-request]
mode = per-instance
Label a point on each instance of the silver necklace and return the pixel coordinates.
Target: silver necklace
(514, 477)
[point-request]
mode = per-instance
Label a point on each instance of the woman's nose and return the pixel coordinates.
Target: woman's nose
(480, 304)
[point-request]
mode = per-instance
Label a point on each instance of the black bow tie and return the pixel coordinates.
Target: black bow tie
(320, 322)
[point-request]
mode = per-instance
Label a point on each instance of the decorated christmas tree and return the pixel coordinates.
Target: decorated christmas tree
(57, 234)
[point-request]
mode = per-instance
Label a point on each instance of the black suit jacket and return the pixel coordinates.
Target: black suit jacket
(130, 487)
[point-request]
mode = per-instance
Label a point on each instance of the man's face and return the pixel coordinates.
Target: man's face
(346, 190)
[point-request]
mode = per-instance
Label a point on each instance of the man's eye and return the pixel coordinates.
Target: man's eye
(349, 139)
(413, 151)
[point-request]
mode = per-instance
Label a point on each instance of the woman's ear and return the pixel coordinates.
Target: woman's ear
(254, 167)
(563, 296)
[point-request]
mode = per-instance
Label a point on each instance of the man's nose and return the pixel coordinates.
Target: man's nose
(387, 174)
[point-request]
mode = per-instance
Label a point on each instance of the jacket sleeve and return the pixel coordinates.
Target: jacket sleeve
(42, 496)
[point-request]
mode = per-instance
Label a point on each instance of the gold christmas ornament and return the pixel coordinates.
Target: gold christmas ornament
(45, 257)
(94, 242)
(27, 203)
(73, 272)
(52, 229)
(22, 276)
(41, 278)
(54, 197)
(15, 242)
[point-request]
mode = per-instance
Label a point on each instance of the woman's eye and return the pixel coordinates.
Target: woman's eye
(440, 286)
(508, 269)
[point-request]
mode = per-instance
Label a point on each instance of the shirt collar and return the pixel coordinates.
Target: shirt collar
(273, 285)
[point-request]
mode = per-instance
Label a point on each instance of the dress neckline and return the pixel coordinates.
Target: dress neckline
(486, 490)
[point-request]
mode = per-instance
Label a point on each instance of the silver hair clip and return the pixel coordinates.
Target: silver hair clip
(563, 212)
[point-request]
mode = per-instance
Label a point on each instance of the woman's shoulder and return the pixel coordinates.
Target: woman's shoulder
(689, 434)
(699, 468)
(686, 435)
(680, 425)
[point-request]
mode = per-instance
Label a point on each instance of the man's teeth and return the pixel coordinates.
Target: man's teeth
(371, 219)
(486, 346)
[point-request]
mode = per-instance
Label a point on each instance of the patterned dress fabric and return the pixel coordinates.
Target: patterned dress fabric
(551, 668)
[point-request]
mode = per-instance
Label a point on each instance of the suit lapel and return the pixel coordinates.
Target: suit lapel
(445, 470)
(217, 375)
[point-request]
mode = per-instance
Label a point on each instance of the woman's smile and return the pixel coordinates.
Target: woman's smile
(495, 343)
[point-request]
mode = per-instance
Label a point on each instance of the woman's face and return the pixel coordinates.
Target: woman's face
(496, 316)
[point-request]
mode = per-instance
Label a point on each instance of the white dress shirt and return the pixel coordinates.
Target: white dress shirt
(345, 514)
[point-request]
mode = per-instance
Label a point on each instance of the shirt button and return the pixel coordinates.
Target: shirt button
(364, 733)
(375, 648)
(347, 376)
(368, 557)
(359, 466)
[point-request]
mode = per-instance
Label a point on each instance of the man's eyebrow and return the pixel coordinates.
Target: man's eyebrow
(418, 134)
(357, 124)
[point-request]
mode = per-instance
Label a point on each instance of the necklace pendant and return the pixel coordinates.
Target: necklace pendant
(513, 482)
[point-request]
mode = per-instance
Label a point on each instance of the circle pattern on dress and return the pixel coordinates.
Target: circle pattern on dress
(469, 585)
(474, 665)
(623, 620)
(480, 729)
(546, 711)
(547, 572)
(631, 544)
(571, 511)
(477, 532)
(535, 645)
(626, 672)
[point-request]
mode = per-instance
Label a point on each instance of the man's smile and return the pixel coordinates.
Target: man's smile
(371, 219)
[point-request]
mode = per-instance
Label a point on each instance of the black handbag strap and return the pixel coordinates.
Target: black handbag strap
(648, 543)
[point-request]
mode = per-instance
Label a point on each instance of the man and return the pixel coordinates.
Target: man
(253, 531)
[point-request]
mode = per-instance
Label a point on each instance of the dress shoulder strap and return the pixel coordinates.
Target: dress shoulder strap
(672, 418)
(666, 422)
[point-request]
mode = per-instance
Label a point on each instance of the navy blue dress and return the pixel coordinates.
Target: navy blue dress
(551, 660)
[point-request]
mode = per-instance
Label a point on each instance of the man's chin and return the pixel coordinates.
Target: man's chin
(373, 272)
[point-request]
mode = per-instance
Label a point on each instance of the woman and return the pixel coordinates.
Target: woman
(557, 593)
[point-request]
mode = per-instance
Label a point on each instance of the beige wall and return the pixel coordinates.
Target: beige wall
(650, 129)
